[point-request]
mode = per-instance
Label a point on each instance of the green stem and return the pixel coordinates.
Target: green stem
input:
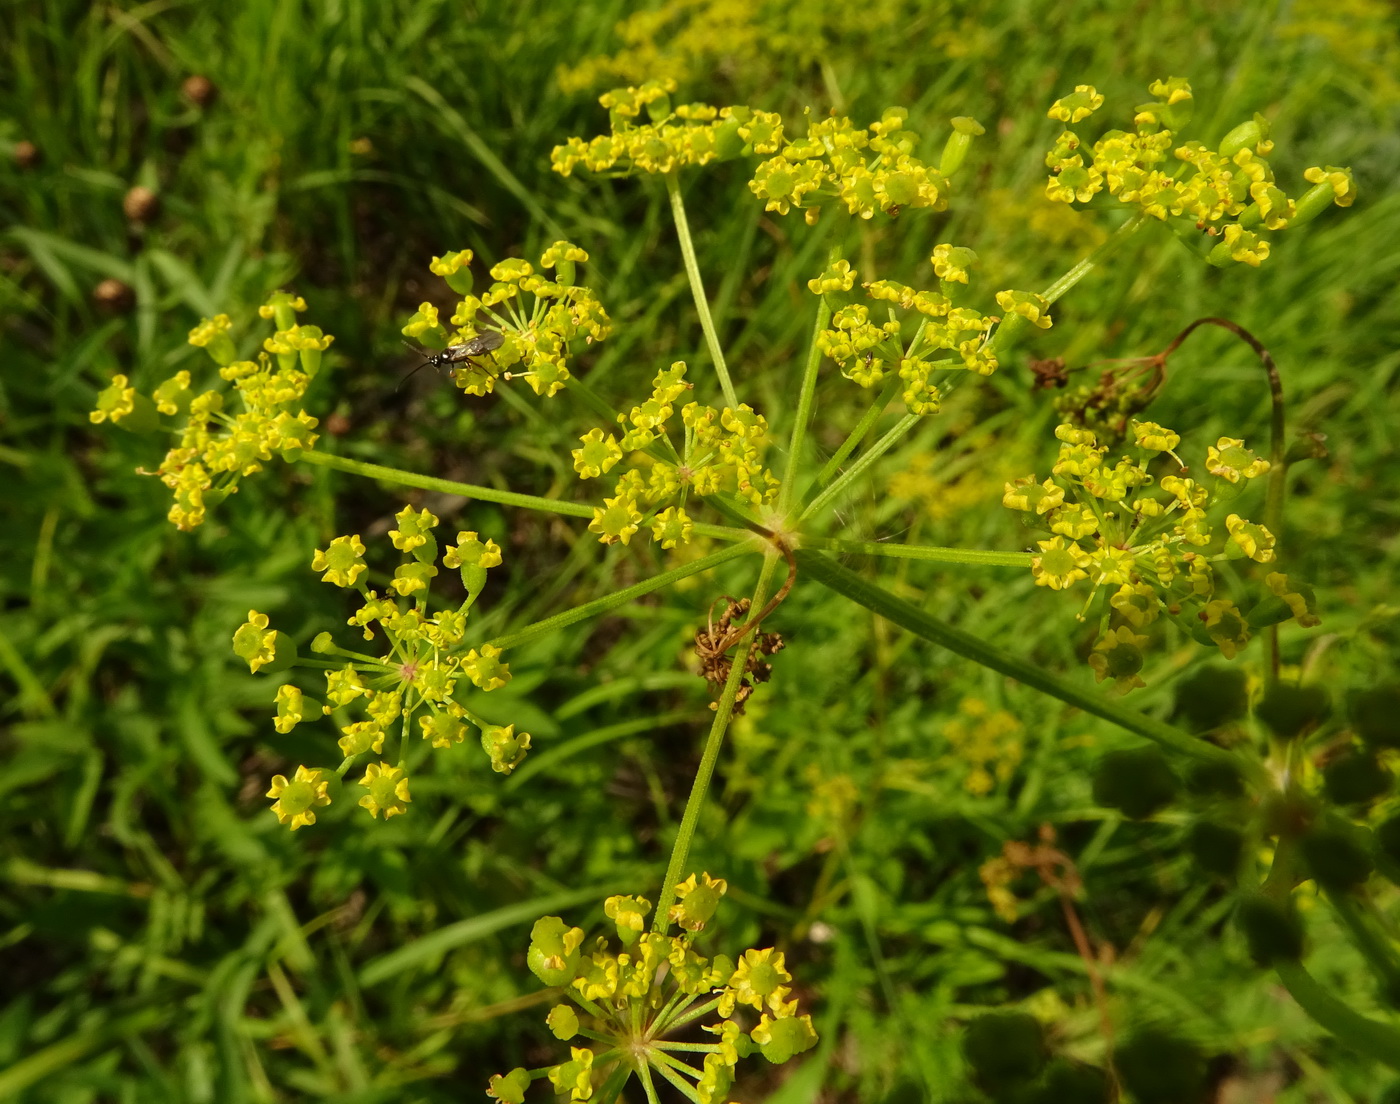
(1115, 242)
(857, 435)
(644, 1072)
(697, 288)
(620, 597)
(831, 574)
(856, 470)
(664, 1064)
(724, 708)
(485, 494)
(1374, 948)
(978, 556)
(1372, 1038)
(804, 400)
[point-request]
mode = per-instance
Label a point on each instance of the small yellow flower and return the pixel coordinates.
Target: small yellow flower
(294, 801)
(599, 453)
(291, 708)
(388, 790)
(343, 562)
(1231, 461)
(696, 901)
(1155, 438)
(254, 641)
(1253, 540)
(470, 550)
(116, 402)
(1079, 105)
(1059, 565)
(1118, 655)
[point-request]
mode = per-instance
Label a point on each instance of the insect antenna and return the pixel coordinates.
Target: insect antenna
(425, 362)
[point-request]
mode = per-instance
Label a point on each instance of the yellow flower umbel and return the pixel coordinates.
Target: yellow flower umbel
(540, 321)
(867, 170)
(1219, 201)
(632, 1002)
(1154, 551)
(223, 441)
(867, 352)
(721, 453)
(420, 683)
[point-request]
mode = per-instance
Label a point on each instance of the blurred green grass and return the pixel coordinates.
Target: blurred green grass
(164, 939)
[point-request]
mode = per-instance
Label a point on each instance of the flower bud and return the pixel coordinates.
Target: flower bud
(1004, 1049)
(965, 129)
(1291, 710)
(1337, 854)
(1356, 778)
(1211, 696)
(1137, 782)
(554, 951)
(1217, 848)
(1375, 714)
(1067, 1082)
(1271, 929)
(1157, 1067)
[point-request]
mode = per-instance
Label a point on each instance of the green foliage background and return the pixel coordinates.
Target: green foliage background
(164, 939)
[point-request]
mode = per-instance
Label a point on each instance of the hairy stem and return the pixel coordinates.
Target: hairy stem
(680, 851)
(697, 288)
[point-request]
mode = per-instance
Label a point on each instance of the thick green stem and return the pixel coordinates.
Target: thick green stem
(857, 435)
(697, 288)
(724, 708)
(859, 468)
(621, 597)
(804, 403)
(1369, 1037)
(831, 574)
(1374, 947)
(485, 494)
(968, 556)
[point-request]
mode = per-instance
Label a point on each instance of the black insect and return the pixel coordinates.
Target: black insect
(483, 344)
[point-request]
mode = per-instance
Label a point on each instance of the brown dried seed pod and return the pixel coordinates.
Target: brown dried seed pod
(27, 154)
(141, 204)
(113, 295)
(199, 90)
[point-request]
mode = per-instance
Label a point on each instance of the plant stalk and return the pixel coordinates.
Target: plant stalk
(697, 288)
(724, 709)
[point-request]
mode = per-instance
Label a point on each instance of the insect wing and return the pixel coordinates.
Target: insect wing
(480, 345)
(485, 342)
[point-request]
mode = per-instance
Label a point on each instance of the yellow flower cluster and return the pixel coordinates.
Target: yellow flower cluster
(538, 320)
(987, 743)
(866, 351)
(421, 674)
(1227, 194)
(866, 169)
(693, 39)
(657, 985)
(721, 454)
(1153, 551)
(220, 443)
